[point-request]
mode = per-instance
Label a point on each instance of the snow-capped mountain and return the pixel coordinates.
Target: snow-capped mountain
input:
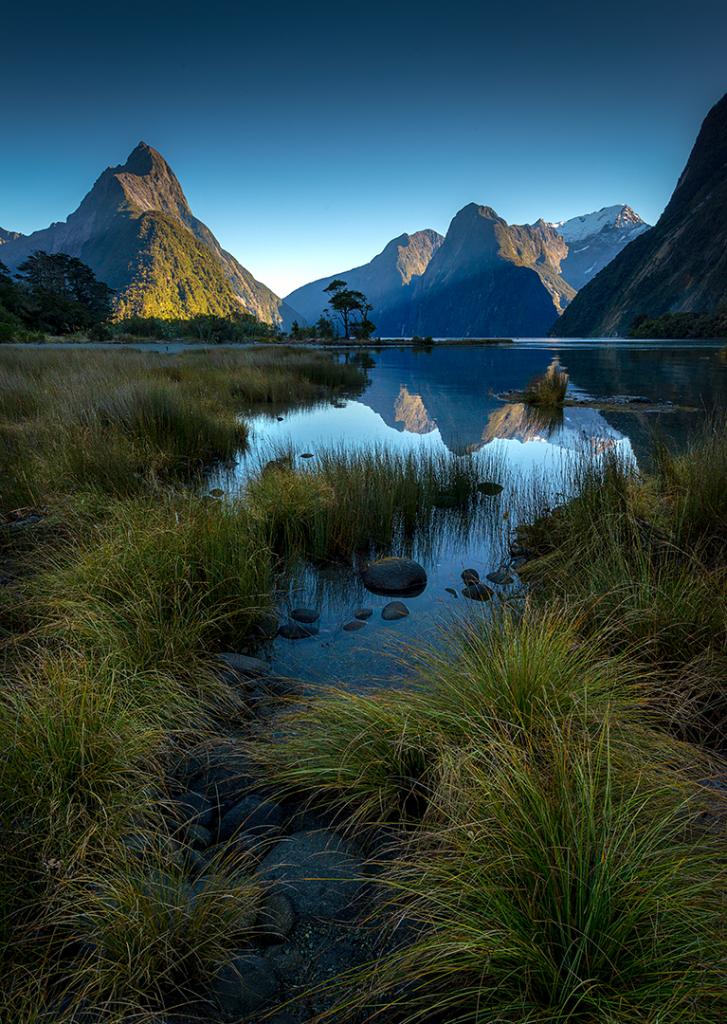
(594, 239)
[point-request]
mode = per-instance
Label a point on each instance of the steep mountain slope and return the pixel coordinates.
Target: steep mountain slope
(136, 231)
(8, 236)
(680, 265)
(381, 280)
(594, 239)
(487, 278)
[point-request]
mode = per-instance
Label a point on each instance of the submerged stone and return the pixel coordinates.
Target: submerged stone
(353, 625)
(489, 487)
(501, 576)
(394, 576)
(297, 630)
(470, 576)
(306, 615)
(363, 613)
(394, 610)
(477, 592)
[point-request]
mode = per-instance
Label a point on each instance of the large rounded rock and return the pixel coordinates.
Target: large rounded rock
(254, 816)
(394, 576)
(276, 918)
(248, 984)
(319, 871)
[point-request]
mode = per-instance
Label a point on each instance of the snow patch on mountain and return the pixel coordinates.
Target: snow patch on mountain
(619, 217)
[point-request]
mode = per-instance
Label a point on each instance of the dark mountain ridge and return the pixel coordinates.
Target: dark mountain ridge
(679, 265)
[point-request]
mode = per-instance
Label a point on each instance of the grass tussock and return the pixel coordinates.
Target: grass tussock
(156, 585)
(548, 389)
(507, 677)
(554, 888)
(348, 502)
(156, 933)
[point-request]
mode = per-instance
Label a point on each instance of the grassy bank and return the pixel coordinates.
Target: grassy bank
(545, 785)
(549, 780)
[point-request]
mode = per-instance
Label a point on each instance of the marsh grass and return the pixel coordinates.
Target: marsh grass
(155, 586)
(349, 501)
(158, 934)
(557, 888)
(549, 389)
(126, 422)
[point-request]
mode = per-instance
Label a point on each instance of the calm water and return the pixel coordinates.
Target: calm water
(445, 400)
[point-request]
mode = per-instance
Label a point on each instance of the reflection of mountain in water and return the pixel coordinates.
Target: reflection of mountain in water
(569, 428)
(420, 393)
(454, 389)
(411, 413)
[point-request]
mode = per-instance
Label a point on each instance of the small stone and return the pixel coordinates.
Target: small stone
(445, 501)
(306, 615)
(245, 986)
(216, 492)
(517, 562)
(297, 630)
(353, 625)
(280, 418)
(363, 613)
(470, 576)
(501, 576)
(276, 918)
(244, 665)
(193, 807)
(477, 592)
(452, 591)
(254, 816)
(306, 455)
(489, 487)
(394, 610)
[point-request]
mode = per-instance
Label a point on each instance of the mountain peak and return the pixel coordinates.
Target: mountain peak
(142, 160)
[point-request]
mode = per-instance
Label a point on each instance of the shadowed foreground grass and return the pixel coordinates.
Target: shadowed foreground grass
(554, 854)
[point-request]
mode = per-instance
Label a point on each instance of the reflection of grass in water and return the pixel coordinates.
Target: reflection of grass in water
(362, 502)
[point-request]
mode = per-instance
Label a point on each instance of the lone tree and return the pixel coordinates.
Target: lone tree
(351, 307)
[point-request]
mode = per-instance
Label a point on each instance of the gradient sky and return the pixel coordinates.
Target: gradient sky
(308, 135)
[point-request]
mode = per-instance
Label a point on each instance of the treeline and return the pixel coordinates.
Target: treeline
(58, 294)
(52, 293)
(681, 325)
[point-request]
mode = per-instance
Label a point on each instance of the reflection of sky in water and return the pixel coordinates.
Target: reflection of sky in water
(446, 401)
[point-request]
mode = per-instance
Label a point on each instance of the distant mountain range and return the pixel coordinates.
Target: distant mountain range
(485, 277)
(136, 231)
(678, 266)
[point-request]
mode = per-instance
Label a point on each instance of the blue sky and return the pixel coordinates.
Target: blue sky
(307, 136)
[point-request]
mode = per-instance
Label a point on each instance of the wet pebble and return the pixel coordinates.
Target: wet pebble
(501, 576)
(363, 613)
(394, 610)
(353, 625)
(452, 591)
(489, 487)
(297, 630)
(470, 576)
(477, 592)
(306, 615)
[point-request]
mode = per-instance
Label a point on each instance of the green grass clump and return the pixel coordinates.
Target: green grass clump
(556, 888)
(156, 585)
(548, 389)
(158, 933)
(357, 501)
(383, 755)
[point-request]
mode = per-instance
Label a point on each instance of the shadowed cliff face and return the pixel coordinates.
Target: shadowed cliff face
(136, 231)
(487, 278)
(382, 280)
(680, 265)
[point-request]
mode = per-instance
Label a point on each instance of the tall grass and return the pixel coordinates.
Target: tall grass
(156, 585)
(554, 888)
(357, 501)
